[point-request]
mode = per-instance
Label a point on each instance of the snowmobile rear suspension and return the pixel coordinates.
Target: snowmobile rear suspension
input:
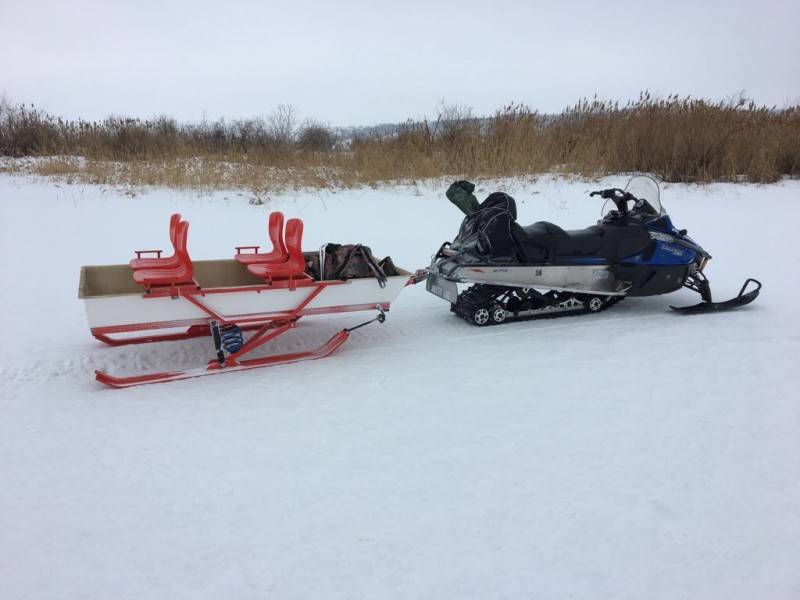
(483, 304)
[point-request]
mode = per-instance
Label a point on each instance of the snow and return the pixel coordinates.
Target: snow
(631, 454)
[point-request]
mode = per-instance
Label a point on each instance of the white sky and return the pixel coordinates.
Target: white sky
(350, 62)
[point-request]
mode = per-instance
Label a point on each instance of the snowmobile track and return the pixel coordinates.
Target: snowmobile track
(486, 298)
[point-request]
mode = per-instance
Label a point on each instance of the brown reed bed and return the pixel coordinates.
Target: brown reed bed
(676, 139)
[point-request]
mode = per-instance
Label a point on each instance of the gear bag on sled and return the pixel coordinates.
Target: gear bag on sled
(349, 261)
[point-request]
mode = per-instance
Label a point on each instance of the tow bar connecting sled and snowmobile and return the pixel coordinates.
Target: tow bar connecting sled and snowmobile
(542, 271)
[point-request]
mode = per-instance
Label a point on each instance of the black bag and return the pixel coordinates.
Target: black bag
(488, 231)
(349, 261)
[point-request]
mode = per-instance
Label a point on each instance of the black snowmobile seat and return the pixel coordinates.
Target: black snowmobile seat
(586, 241)
(557, 242)
(545, 241)
(492, 233)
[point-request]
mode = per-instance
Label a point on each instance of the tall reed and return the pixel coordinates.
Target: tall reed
(675, 138)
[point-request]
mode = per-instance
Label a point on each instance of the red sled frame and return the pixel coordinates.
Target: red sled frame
(267, 329)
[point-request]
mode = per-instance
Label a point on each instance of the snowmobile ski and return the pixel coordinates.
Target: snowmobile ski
(707, 306)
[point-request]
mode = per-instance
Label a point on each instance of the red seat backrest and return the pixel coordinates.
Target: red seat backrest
(174, 220)
(294, 240)
(181, 246)
(275, 229)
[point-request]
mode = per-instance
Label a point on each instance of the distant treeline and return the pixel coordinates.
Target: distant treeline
(677, 139)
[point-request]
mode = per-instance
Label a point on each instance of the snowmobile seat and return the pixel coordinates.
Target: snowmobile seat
(182, 274)
(166, 262)
(294, 267)
(554, 241)
(278, 254)
(586, 241)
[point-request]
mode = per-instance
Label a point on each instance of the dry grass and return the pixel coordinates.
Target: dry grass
(678, 139)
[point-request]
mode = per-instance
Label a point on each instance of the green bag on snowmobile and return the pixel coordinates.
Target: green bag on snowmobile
(460, 194)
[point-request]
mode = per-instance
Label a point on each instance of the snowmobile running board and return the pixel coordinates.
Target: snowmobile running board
(708, 307)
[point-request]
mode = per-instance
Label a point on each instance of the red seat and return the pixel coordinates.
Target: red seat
(293, 268)
(182, 274)
(160, 263)
(279, 253)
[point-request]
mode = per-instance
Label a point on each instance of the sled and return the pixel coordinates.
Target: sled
(222, 299)
(225, 295)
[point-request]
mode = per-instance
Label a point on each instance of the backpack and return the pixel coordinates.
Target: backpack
(349, 261)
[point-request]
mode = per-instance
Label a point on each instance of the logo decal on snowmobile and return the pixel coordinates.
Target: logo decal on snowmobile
(661, 237)
(672, 249)
(600, 274)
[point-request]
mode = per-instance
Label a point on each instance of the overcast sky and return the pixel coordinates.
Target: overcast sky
(350, 62)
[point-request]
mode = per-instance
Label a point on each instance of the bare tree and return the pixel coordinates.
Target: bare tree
(5, 104)
(316, 137)
(453, 121)
(283, 124)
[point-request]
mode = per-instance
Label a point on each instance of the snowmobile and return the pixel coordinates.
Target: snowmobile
(542, 270)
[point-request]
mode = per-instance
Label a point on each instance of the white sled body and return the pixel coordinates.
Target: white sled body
(115, 303)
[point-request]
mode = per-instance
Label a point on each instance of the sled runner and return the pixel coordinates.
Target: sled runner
(140, 303)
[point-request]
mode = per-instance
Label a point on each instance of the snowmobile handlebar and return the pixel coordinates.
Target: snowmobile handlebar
(618, 197)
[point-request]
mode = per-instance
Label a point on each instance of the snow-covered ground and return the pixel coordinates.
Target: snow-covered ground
(632, 454)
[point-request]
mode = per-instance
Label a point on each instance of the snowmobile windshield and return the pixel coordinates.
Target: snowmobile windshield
(645, 189)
